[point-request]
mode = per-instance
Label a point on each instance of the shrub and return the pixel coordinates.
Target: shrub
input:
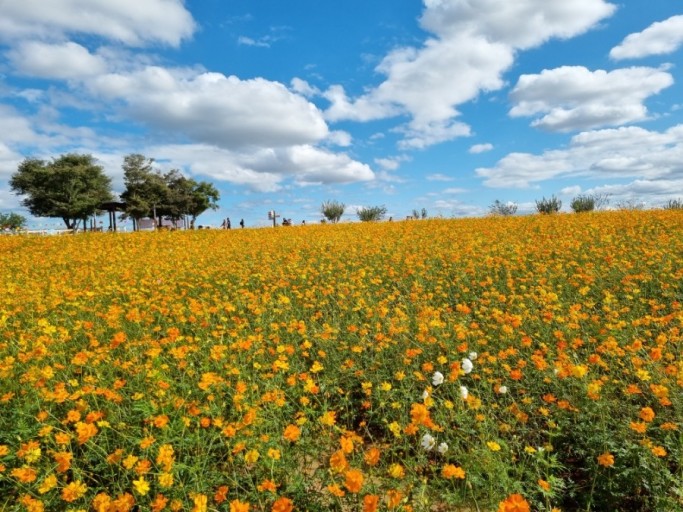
(548, 206)
(674, 204)
(589, 202)
(332, 210)
(371, 213)
(582, 204)
(504, 209)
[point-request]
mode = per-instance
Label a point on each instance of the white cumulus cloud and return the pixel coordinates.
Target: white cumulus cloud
(214, 108)
(132, 22)
(615, 153)
(658, 39)
(56, 61)
(575, 98)
(472, 46)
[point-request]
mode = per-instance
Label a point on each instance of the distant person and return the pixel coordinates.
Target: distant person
(227, 223)
(242, 223)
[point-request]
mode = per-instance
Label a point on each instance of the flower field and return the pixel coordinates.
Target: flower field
(494, 364)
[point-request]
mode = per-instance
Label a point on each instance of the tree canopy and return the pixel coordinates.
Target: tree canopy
(332, 210)
(12, 221)
(71, 187)
(149, 193)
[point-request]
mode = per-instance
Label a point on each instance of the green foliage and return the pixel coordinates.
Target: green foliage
(150, 193)
(371, 213)
(548, 206)
(588, 202)
(71, 187)
(504, 209)
(12, 221)
(674, 204)
(332, 210)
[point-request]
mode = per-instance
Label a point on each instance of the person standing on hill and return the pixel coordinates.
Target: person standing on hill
(227, 223)
(242, 223)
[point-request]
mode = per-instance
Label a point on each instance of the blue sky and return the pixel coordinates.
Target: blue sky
(445, 105)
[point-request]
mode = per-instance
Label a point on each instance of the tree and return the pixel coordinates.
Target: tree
(146, 189)
(12, 221)
(332, 210)
(71, 187)
(504, 209)
(371, 213)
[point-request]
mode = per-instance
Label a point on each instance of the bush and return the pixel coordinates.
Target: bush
(582, 204)
(504, 209)
(674, 204)
(588, 202)
(548, 206)
(371, 213)
(420, 214)
(332, 210)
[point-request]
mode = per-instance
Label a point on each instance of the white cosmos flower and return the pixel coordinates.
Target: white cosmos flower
(442, 448)
(425, 395)
(428, 442)
(502, 390)
(463, 392)
(467, 365)
(473, 356)
(437, 378)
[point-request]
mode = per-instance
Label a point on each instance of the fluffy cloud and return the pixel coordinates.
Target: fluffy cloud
(535, 21)
(480, 148)
(131, 22)
(575, 98)
(214, 108)
(55, 61)
(471, 50)
(264, 169)
(659, 38)
(606, 154)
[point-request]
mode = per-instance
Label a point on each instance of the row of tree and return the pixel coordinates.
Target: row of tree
(74, 188)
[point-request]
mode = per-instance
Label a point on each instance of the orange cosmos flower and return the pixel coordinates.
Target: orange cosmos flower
(283, 505)
(372, 456)
(353, 480)
(336, 490)
(452, 471)
(267, 485)
(63, 460)
(292, 433)
(370, 503)
(74, 491)
(32, 504)
(514, 503)
(160, 421)
(221, 494)
(25, 475)
(159, 503)
(658, 451)
(85, 431)
(239, 506)
(394, 497)
(338, 461)
(647, 414)
(606, 459)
